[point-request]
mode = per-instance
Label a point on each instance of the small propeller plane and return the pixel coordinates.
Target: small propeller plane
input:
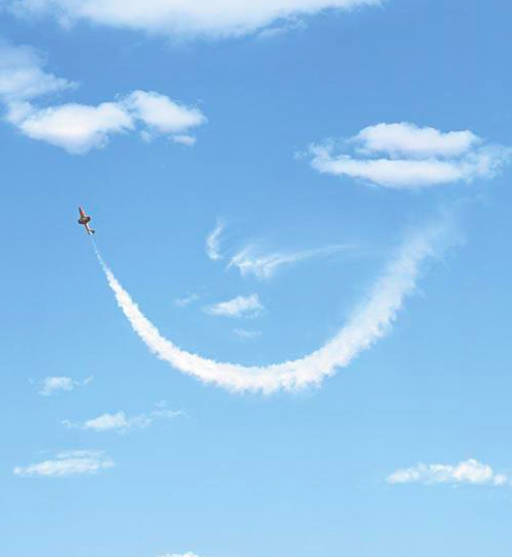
(85, 220)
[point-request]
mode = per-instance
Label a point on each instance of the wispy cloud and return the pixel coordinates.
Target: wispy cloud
(72, 463)
(186, 301)
(53, 385)
(121, 423)
(198, 19)
(78, 128)
(241, 306)
(247, 334)
(183, 139)
(23, 77)
(405, 156)
(212, 243)
(370, 322)
(249, 261)
(468, 472)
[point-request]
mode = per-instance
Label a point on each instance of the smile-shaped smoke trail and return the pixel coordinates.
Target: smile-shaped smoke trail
(369, 322)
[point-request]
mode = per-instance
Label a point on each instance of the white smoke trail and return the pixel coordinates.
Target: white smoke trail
(369, 322)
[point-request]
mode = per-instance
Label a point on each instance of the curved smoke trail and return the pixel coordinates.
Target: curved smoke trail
(371, 321)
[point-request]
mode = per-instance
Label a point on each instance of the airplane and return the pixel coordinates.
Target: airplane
(85, 220)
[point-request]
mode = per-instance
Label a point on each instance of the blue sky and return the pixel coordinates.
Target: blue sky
(354, 161)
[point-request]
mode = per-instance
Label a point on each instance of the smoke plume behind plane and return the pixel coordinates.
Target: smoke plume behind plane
(371, 320)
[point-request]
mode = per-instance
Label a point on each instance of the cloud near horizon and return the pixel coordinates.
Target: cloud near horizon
(469, 472)
(71, 463)
(371, 321)
(78, 128)
(406, 156)
(185, 20)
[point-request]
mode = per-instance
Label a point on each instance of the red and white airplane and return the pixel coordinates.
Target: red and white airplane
(85, 220)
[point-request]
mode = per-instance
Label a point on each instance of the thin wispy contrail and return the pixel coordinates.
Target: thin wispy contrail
(371, 321)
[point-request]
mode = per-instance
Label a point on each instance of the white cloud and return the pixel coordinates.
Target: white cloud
(212, 243)
(22, 75)
(72, 463)
(187, 300)
(263, 266)
(120, 422)
(289, 25)
(247, 334)
(409, 139)
(404, 156)
(188, 140)
(78, 128)
(163, 115)
(241, 306)
(185, 19)
(469, 472)
(370, 322)
(53, 385)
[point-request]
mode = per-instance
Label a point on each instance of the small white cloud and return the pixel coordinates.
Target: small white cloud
(78, 128)
(53, 385)
(163, 115)
(247, 334)
(264, 266)
(72, 463)
(469, 472)
(186, 301)
(188, 140)
(405, 156)
(241, 306)
(121, 423)
(212, 243)
(184, 19)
